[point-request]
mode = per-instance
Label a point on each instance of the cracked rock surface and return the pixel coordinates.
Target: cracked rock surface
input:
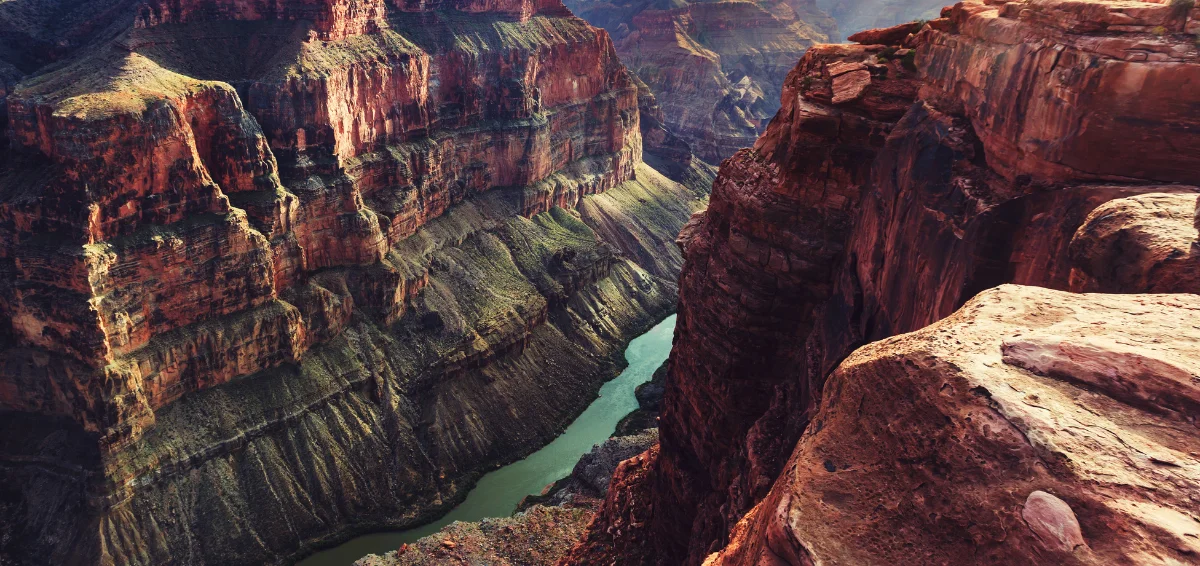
(991, 437)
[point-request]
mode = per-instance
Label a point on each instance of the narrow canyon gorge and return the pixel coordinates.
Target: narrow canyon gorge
(275, 274)
(888, 348)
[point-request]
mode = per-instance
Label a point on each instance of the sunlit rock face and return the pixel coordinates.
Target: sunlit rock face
(715, 67)
(272, 273)
(1040, 143)
(1010, 432)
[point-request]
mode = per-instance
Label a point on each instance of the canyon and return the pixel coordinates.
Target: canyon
(277, 273)
(716, 68)
(889, 346)
(273, 274)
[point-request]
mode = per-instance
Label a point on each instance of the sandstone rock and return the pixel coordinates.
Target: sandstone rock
(256, 288)
(537, 536)
(1033, 122)
(1142, 244)
(964, 448)
(953, 172)
(595, 469)
(165, 206)
(1053, 521)
(895, 35)
(850, 84)
(747, 282)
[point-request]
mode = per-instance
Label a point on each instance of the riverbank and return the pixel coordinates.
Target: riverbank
(498, 493)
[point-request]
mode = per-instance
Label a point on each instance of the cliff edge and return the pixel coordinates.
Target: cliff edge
(1040, 142)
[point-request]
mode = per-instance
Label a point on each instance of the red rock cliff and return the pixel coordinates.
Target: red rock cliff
(261, 260)
(897, 182)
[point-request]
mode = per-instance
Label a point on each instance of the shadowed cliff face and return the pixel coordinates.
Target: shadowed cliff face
(901, 178)
(715, 67)
(272, 273)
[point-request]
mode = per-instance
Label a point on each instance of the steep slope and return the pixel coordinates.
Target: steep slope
(715, 67)
(277, 272)
(898, 181)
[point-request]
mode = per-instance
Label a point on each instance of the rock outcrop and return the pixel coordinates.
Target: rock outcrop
(715, 67)
(1032, 426)
(544, 527)
(1037, 142)
(539, 535)
(272, 273)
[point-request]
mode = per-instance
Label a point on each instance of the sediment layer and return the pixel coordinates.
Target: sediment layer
(278, 272)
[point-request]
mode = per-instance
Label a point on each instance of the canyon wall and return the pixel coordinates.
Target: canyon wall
(275, 273)
(715, 67)
(1037, 142)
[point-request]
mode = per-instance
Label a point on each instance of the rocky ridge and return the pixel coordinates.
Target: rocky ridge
(1031, 426)
(1035, 142)
(260, 258)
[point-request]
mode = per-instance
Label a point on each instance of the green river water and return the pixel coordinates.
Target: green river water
(498, 493)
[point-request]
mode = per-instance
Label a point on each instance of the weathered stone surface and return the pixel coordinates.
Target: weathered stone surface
(715, 67)
(1053, 521)
(1105, 103)
(756, 261)
(1142, 244)
(539, 535)
(595, 469)
(958, 443)
(159, 202)
(953, 172)
(895, 35)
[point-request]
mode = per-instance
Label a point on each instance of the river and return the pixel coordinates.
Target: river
(498, 493)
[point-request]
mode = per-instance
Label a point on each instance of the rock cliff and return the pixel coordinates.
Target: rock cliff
(1032, 426)
(1035, 142)
(273, 273)
(715, 67)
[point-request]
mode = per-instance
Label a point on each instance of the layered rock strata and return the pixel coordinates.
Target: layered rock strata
(715, 67)
(898, 181)
(273, 272)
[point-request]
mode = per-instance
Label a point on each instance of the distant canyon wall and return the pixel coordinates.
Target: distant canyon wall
(715, 67)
